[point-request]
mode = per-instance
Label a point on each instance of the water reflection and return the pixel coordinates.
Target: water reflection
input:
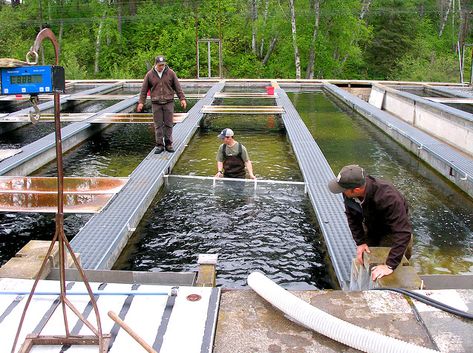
(115, 151)
(441, 214)
(269, 152)
(26, 134)
(271, 230)
(17, 229)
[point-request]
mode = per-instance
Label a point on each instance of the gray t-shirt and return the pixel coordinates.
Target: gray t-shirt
(232, 151)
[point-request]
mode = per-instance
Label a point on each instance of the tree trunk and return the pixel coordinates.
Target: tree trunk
(364, 8)
(297, 59)
(270, 50)
(445, 17)
(254, 16)
(61, 26)
(132, 7)
(464, 21)
(98, 44)
(265, 20)
(311, 64)
(119, 18)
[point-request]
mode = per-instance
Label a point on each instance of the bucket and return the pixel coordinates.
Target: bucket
(270, 90)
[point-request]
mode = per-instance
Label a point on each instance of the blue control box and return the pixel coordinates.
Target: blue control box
(32, 80)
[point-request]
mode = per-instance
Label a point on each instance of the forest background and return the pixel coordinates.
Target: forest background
(415, 40)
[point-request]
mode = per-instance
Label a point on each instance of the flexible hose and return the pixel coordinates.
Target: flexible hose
(326, 324)
(429, 301)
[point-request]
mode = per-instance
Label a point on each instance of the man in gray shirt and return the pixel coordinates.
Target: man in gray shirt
(232, 157)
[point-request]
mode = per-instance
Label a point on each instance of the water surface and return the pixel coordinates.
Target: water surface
(271, 229)
(442, 215)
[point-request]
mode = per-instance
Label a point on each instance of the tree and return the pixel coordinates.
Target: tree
(297, 59)
(394, 25)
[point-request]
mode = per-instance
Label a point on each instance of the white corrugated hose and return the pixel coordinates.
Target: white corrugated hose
(326, 324)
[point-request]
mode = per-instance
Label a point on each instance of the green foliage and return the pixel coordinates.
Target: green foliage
(434, 69)
(72, 68)
(397, 39)
(394, 29)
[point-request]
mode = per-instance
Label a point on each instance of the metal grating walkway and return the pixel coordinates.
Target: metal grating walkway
(102, 239)
(328, 207)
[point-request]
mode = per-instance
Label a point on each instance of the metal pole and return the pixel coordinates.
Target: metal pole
(471, 67)
(220, 62)
(59, 234)
(198, 63)
(208, 58)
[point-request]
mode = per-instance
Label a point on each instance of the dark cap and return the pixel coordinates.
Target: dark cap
(160, 59)
(350, 177)
(227, 132)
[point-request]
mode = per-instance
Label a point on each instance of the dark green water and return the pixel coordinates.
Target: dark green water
(116, 152)
(270, 154)
(441, 214)
(272, 229)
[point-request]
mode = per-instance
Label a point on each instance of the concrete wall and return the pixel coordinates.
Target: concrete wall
(450, 125)
(441, 163)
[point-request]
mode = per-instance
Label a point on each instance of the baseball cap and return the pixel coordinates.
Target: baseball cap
(350, 177)
(226, 133)
(160, 59)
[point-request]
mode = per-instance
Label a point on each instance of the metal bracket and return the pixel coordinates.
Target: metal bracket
(34, 116)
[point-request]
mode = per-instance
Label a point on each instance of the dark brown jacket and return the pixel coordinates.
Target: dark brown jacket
(161, 89)
(383, 212)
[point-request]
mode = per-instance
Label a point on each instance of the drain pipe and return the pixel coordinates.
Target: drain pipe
(326, 324)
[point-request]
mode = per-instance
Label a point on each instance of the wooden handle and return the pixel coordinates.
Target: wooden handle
(132, 333)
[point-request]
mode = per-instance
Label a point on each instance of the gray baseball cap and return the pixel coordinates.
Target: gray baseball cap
(226, 133)
(350, 177)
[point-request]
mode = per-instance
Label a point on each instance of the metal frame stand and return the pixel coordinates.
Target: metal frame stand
(98, 338)
(209, 67)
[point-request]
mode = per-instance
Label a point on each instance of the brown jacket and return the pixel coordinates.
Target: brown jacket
(161, 89)
(383, 213)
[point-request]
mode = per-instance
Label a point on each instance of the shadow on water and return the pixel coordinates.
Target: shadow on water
(271, 229)
(442, 215)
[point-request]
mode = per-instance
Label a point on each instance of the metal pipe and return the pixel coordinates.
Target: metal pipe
(134, 293)
(260, 181)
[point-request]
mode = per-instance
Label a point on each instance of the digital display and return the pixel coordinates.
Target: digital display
(32, 80)
(25, 79)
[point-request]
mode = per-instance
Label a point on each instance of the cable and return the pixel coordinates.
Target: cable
(429, 301)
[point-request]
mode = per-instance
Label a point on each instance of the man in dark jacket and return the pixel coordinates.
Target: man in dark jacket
(162, 82)
(377, 214)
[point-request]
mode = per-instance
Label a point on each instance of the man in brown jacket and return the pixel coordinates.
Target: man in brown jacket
(377, 215)
(162, 82)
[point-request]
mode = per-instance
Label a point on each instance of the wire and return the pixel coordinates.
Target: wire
(429, 301)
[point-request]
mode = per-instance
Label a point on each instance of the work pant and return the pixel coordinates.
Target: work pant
(163, 123)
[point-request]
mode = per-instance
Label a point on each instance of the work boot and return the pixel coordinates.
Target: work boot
(159, 149)
(169, 149)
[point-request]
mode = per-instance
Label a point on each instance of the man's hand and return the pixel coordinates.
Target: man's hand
(139, 107)
(360, 249)
(183, 103)
(380, 271)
